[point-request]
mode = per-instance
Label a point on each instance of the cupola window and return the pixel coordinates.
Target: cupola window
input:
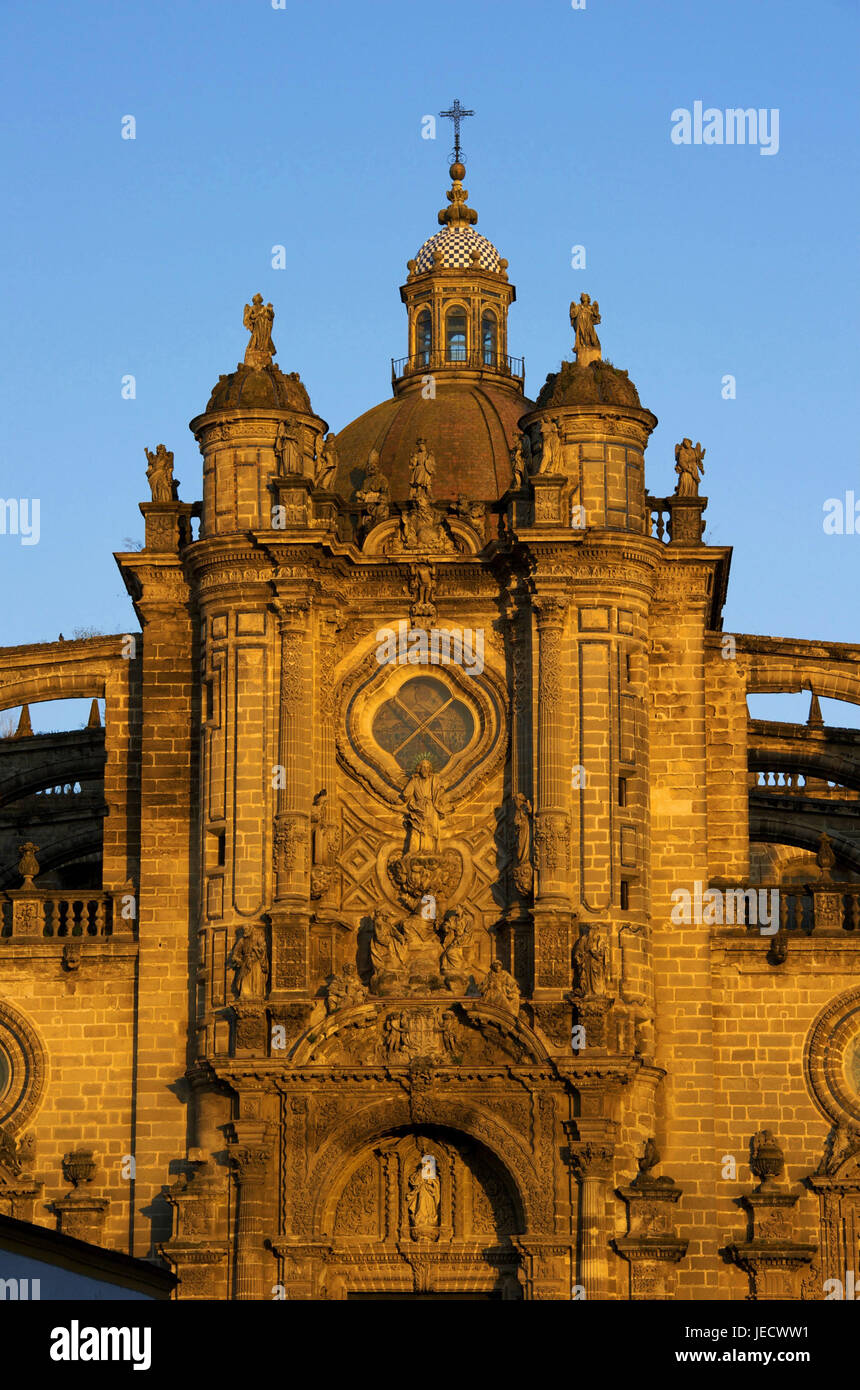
(424, 337)
(489, 338)
(455, 335)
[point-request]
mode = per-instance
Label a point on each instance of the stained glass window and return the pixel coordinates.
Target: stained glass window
(423, 720)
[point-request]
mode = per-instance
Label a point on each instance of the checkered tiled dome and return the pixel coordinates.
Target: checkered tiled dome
(457, 245)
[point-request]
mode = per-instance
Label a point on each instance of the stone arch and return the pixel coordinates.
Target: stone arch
(376, 1121)
(769, 675)
(788, 828)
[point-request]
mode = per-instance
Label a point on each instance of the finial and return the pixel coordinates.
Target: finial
(457, 214)
(258, 320)
(25, 728)
(456, 113)
(814, 718)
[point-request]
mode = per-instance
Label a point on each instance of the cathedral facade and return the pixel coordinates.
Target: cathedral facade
(428, 917)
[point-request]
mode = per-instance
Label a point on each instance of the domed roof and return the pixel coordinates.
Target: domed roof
(461, 248)
(470, 428)
(597, 384)
(261, 388)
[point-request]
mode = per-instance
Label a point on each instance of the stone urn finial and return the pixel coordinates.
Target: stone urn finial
(28, 864)
(79, 1166)
(767, 1160)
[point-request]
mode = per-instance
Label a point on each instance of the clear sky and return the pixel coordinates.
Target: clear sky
(301, 126)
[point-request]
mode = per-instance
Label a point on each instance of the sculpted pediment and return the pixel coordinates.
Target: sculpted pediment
(403, 1032)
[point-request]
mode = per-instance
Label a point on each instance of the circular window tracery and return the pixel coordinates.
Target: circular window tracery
(424, 719)
(833, 1059)
(22, 1068)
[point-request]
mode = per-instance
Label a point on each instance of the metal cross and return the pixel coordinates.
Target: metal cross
(456, 113)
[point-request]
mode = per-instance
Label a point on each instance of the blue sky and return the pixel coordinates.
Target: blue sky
(302, 126)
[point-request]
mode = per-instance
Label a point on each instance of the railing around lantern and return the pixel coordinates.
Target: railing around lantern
(420, 362)
(683, 523)
(60, 914)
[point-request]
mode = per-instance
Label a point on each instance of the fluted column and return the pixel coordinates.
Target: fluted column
(293, 799)
(591, 1162)
(552, 914)
(250, 1158)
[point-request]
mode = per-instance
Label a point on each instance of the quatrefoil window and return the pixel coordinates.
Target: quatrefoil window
(423, 720)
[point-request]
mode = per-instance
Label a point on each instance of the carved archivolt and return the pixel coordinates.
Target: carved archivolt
(359, 1131)
(832, 1059)
(25, 1062)
(366, 686)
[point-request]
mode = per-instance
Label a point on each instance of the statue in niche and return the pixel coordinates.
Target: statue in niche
(591, 964)
(422, 1202)
(322, 830)
(327, 464)
(551, 455)
(689, 467)
(258, 319)
(389, 952)
(584, 318)
(499, 987)
(522, 853)
(159, 474)
(283, 439)
(422, 466)
(456, 963)
(251, 962)
(375, 494)
(521, 460)
(425, 809)
(345, 990)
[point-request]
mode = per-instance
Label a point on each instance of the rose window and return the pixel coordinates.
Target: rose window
(423, 720)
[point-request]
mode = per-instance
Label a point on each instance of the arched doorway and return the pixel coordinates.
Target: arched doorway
(424, 1212)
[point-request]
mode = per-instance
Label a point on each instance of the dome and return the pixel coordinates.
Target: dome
(597, 384)
(259, 388)
(470, 428)
(461, 248)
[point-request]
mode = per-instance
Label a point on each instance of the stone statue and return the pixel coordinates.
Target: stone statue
(421, 528)
(321, 830)
(422, 1201)
(425, 809)
(456, 964)
(584, 317)
(258, 320)
(375, 495)
(500, 988)
(551, 460)
(283, 439)
(345, 990)
(521, 460)
(422, 467)
(591, 963)
(159, 473)
(251, 963)
(422, 581)
(689, 467)
(522, 854)
(388, 949)
(327, 464)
